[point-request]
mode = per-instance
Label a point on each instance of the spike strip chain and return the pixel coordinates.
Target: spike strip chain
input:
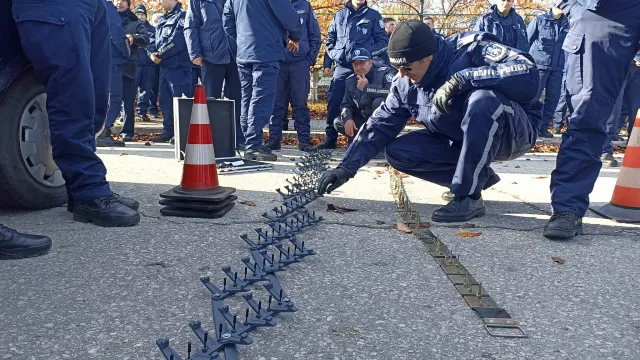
(497, 321)
(272, 250)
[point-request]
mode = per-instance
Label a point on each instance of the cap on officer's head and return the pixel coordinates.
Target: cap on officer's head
(140, 9)
(411, 41)
(361, 54)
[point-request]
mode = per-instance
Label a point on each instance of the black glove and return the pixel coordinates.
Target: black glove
(332, 180)
(450, 89)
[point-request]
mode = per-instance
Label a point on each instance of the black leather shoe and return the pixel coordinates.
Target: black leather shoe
(545, 134)
(106, 211)
(326, 145)
(15, 245)
(261, 154)
(105, 140)
(557, 130)
(608, 160)
(562, 226)
(126, 137)
(128, 202)
(161, 139)
(306, 147)
(460, 209)
(273, 144)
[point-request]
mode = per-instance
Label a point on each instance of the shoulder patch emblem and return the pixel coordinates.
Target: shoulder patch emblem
(315, 16)
(389, 77)
(381, 23)
(494, 52)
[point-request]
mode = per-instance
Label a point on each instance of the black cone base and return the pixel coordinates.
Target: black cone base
(216, 195)
(619, 213)
(198, 205)
(192, 213)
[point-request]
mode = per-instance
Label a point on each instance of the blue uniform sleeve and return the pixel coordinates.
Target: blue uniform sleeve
(380, 37)
(384, 125)
(288, 17)
(330, 43)
(313, 35)
(229, 21)
(192, 23)
(176, 43)
(514, 75)
(532, 31)
(479, 26)
(327, 61)
(141, 36)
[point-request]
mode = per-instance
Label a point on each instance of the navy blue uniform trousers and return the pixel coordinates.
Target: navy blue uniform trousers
(600, 46)
(293, 83)
(174, 82)
(258, 81)
(551, 83)
(115, 96)
(629, 98)
(145, 78)
(213, 78)
(334, 99)
(65, 42)
(456, 149)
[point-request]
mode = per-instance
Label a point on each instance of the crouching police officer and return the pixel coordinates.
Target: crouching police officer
(364, 92)
(484, 109)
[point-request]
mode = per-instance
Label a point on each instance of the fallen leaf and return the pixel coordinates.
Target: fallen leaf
(469, 234)
(515, 183)
(380, 222)
(424, 225)
(400, 226)
(147, 144)
(517, 166)
(248, 203)
(541, 177)
(339, 209)
(379, 172)
(558, 260)
(124, 154)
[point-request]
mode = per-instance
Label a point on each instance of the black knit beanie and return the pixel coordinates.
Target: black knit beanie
(411, 41)
(140, 9)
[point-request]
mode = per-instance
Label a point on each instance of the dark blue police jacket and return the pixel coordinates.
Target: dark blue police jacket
(260, 27)
(355, 29)
(566, 5)
(204, 32)
(143, 57)
(480, 61)
(310, 40)
(494, 23)
(546, 36)
(169, 41)
(119, 44)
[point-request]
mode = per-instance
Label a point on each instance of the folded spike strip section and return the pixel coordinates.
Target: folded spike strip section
(271, 250)
(497, 321)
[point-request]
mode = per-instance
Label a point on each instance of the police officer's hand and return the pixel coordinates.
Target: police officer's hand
(350, 127)
(197, 61)
(154, 57)
(332, 180)
(130, 38)
(638, 63)
(292, 46)
(448, 91)
(362, 82)
(327, 72)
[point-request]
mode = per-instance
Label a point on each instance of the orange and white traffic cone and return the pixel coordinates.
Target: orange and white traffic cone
(199, 193)
(625, 202)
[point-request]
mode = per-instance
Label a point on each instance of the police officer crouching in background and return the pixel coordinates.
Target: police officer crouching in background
(546, 33)
(169, 49)
(365, 90)
(506, 24)
(484, 109)
(294, 80)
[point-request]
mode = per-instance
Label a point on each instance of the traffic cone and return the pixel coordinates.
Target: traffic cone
(625, 202)
(199, 193)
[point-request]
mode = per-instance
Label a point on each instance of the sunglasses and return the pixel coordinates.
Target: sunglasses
(404, 68)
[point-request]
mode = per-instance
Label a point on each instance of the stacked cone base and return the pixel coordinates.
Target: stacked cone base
(211, 204)
(619, 213)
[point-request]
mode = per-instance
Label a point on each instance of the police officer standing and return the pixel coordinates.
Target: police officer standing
(546, 33)
(65, 43)
(484, 109)
(260, 28)
(294, 80)
(353, 27)
(146, 72)
(431, 23)
(365, 91)
(169, 49)
(506, 24)
(212, 51)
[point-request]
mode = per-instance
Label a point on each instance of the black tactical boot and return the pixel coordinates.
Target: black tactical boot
(545, 134)
(15, 245)
(326, 145)
(260, 154)
(460, 209)
(105, 211)
(562, 226)
(557, 130)
(306, 147)
(126, 137)
(273, 144)
(105, 140)
(128, 202)
(161, 139)
(608, 160)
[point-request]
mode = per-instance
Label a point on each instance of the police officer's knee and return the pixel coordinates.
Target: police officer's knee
(377, 102)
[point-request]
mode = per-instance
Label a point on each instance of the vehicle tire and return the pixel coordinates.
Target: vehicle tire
(29, 178)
